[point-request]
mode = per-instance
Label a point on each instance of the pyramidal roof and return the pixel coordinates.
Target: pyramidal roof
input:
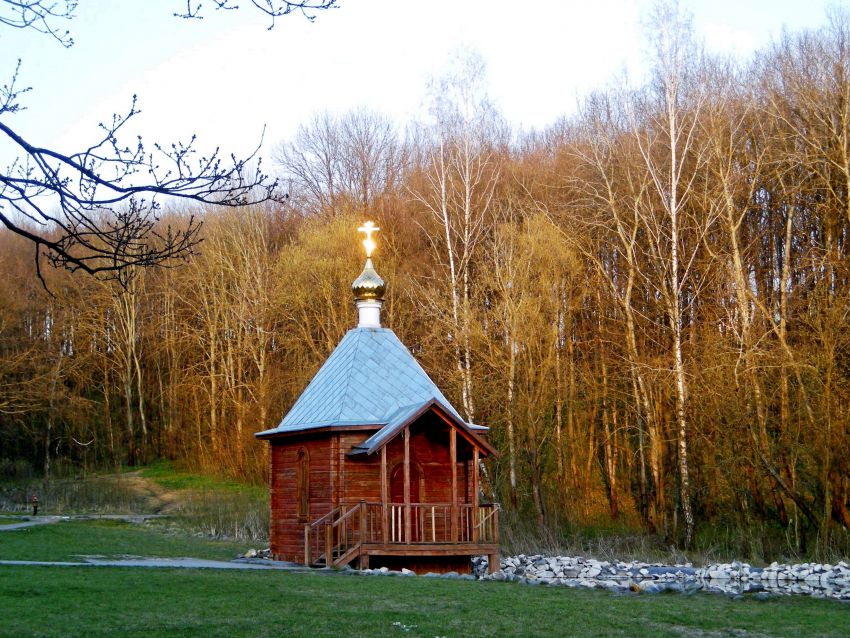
(370, 379)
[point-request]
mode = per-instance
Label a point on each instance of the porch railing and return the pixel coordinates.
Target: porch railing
(336, 537)
(433, 523)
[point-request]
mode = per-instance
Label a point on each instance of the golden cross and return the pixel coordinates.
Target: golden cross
(369, 244)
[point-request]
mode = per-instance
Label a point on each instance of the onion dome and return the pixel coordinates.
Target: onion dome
(369, 284)
(369, 288)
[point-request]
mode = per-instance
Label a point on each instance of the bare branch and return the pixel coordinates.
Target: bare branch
(40, 16)
(272, 8)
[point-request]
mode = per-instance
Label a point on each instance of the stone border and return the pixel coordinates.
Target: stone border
(736, 578)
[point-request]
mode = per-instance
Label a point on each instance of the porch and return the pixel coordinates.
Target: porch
(361, 530)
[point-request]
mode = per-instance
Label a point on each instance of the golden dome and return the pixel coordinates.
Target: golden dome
(369, 284)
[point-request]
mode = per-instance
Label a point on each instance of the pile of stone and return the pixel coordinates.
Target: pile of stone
(257, 553)
(816, 579)
(829, 581)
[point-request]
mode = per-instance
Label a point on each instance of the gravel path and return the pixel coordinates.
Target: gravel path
(31, 522)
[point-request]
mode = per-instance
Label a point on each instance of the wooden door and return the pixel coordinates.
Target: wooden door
(397, 496)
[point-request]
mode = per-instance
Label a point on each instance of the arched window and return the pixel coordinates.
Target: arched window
(302, 484)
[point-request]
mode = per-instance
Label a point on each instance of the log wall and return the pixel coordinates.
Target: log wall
(286, 533)
(337, 479)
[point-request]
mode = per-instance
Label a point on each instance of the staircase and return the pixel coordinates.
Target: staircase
(339, 534)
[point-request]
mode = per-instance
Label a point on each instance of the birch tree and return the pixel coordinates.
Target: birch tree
(460, 171)
(664, 124)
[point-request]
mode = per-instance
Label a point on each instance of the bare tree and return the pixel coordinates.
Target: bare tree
(343, 162)
(96, 209)
(664, 123)
(461, 171)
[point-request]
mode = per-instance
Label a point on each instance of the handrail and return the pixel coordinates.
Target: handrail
(348, 539)
(321, 520)
(493, 507)
(346, 516)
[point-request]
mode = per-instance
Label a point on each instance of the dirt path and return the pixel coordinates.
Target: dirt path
(157, 499)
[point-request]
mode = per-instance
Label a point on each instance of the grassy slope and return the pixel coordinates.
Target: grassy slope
(171, 476)
(48, 601)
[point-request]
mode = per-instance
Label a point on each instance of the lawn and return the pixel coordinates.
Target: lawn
(52, 601)
(66, 541)
(101, 601)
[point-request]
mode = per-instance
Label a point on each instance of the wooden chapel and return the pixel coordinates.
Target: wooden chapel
(372, 466)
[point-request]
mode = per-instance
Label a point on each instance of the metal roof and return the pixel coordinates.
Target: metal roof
(370, 379)
(408, 413)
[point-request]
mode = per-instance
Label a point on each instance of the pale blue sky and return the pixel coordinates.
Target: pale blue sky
(226, 76)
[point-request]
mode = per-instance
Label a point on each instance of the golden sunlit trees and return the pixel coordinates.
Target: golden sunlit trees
(457, 180)
(649, 303)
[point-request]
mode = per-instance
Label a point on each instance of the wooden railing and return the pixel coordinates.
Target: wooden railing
(339, 535)
(313, 534)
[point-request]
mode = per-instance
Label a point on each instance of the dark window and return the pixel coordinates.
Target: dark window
(302, 484)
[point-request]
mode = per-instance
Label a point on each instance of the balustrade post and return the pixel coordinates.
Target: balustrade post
(329, 545)
(385, 537)
(307, 557)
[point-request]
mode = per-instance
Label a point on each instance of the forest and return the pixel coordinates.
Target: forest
(648, 302)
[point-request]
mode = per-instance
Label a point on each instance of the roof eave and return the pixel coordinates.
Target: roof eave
(317, 429)
(444, 413)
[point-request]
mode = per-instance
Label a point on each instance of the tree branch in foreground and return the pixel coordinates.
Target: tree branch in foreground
(97, 210)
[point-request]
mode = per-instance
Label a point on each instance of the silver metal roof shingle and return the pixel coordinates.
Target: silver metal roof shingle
(365, 381)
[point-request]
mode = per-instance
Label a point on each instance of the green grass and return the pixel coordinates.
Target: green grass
(64, 541)
(105, 601)
(46, 601)
(172, 477)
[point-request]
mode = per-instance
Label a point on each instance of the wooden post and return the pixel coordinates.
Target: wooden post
(476, 518)
(329, 545)
(342, 531)
(453, 456)
(493, 559)
(493, 563)
(384, 496)
(407, 485)
(337, 476)
(307, 558)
